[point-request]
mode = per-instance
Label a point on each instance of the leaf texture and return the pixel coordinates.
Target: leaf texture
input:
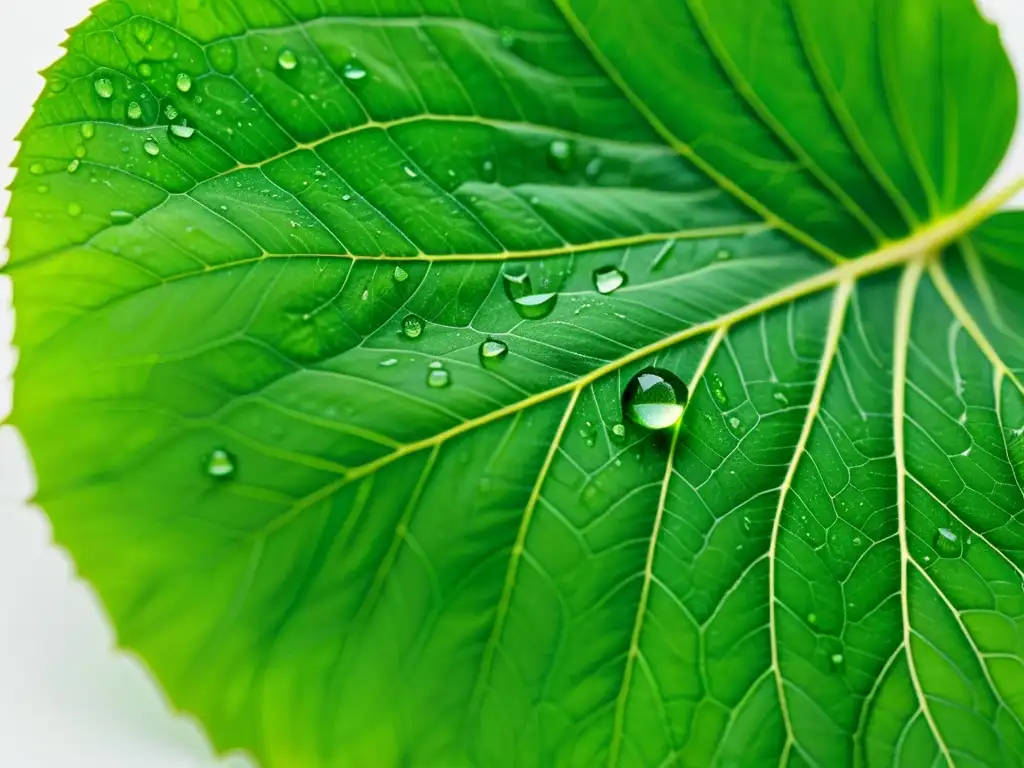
(226, 211)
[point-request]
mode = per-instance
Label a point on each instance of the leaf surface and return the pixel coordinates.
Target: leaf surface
(342, 544)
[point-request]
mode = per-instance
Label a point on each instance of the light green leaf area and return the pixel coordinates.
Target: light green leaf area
(257, 247)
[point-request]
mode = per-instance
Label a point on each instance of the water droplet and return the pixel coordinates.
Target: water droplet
(134, 111)
(58, 85)
(718, 391)
(507, 36)
(88, 130)
(812, 618)
(438, 378)
(594, 168)
(170, 112)
(389, 362)
(608, 279)
(346, 197)
(145, 70)
(947, 543)
(619, 430)
(410, 172)
(366, 295)
(151, 147)
(104, 88)
(493, 351)
(735, 423)
(857, 541)
(561, 155)
(353, 70)
(723, 254)
(183, 131)
(836, 659)
(143, 30)
(80, 152)
(121, 218)
(400, 275)
(220, 464)
(287, 60)
(183, 82)
(535, 305)
(654, 398)
(74, 210)
(412, 326)
(37, 169)
(224, 57)
(73, 165)
(781, 398)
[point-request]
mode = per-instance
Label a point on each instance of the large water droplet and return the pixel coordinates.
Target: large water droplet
(353, 70)
(493, 351)
(654, 398)
(608, 279)
(400, 275)
(412, 326)
(183, 82)
(220, 464)
(134, 111)
(517, 284)
(183, 131)
(947, 543)
(151, 147)
(287, 60)
(438, 378)
(120, 218)
(561, 155)
(104, 88)
(88, 130)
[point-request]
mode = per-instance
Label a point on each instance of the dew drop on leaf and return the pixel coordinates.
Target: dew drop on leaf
(389, 362)
(73, 165)
(42, 189)
(400, 275)
(561, 155)
(608, 279)
(220, 464)
(410, 172)
(947, 543)
(37, 169)
(735, 423)
(183, 82)
(74, 210)
(619, 431)
(170, 112)
(104, 88)
(287, 60)
(812, 618)
(80, 152)
(353, 70)
(837, 660)
(151, 147)
(723, 254)
(134, 111)
(493, 351)
(183, 131)
(438, 378)
(121, 218)
(88, 130)
(145, 70)
(412, 326)
(654, 398)
(517, 284)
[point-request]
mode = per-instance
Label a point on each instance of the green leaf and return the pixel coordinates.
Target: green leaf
(258, 248)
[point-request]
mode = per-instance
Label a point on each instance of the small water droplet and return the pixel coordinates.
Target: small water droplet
(73, 165)
(493, 351)
(104, 88)
(488, 173)
(409, 172)
(735, 423)
(58, 85)
(88, 130)
(389, 362)
(781, 398)
(221, 464)
(723, 254)
(507, 36)
(400, 275)
(438, 378)
(121, 218)
(619, 430)
(608, 279)
(353, 70)
(183, 82)
(654, 398)
(812, 618)
(561, 155)
(287, 60)
(224, 57)
(151, 147)
(366, 295)
(412, 326)
(145, 70)
(80, 152)
(37, 169)
(183, 131)
(594, 168)
(857, 541)
(134, 111)
(836, 659)
(535, 305)
(346, 197)
(718, 391)
(74, 210)
(170, 112)
(947, 543)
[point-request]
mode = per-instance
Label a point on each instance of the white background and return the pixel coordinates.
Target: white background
(67, 697)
